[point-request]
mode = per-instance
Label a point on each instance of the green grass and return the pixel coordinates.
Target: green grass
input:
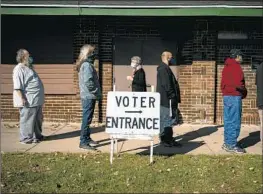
(83, 173)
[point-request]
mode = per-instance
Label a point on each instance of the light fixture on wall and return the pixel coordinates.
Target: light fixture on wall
(232, 35)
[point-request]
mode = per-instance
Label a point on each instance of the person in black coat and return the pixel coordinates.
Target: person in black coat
(259, 83)
(138, 78)
(168, 88)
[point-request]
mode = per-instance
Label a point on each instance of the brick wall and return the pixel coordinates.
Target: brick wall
(200, 97)
(57, 108)
(107, 75)
(7, 110)
(197, 92)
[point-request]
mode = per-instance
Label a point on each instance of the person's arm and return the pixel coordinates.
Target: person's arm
(139, 79)
(241, 77)
(18, 85)
(241, 85)
(88, 78)
(166, 83)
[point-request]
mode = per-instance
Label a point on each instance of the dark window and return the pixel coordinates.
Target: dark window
(47, 38)
(125, 49)
(149, 50)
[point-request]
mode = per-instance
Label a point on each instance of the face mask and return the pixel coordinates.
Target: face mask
(30, 62)
(133, 65)
(241, 59)
(172, 61)
(91, 58)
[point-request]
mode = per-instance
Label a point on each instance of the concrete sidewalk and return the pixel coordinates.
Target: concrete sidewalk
(196, 139)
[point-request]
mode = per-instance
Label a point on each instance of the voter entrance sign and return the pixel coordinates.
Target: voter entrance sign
(133, 115)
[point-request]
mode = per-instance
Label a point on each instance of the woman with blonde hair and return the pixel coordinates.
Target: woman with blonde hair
(89, 92)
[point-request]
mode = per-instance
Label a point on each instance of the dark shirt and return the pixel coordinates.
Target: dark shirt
(167, 86)
(139, 81)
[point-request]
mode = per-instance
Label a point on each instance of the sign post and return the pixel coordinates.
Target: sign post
(132, 115)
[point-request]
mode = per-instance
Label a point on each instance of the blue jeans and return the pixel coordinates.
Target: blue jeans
(88, 106)
(232, 119)
(165, 120)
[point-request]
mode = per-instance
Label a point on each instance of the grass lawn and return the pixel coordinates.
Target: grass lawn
(83, 173)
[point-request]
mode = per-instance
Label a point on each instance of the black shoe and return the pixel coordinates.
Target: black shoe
(93, 143)
(26, 142)
(233, 149)
(36, 141)
(166, 144)
(87, 147)
(42, 138)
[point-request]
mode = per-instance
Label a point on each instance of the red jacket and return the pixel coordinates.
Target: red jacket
(232, 77)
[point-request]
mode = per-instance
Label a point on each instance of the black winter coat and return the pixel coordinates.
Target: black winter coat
(139, 81)
(259, 83)
(167, 86)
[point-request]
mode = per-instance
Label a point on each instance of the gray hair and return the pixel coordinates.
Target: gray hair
(20, 55)
(85, 50)
(137, 59)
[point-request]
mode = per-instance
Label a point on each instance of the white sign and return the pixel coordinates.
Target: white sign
(133, 113)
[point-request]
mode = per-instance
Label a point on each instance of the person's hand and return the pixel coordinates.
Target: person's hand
(130, 78)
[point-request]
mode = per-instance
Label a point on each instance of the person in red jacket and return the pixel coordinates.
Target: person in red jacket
(234, 90)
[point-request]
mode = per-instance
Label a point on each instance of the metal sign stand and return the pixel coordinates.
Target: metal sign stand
(114, 139)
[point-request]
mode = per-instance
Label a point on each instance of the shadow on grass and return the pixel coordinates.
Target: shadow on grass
(160, 150)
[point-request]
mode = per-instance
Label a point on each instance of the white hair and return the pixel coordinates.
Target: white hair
(20, 55)
(85, 51)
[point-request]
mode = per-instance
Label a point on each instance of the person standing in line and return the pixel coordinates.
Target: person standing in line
(175, 109)
(233, 90)
(90, 91)
(138, 78)
(259, 83)
(170, 97)
(28, 96)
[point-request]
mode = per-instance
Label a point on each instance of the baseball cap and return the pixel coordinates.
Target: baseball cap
(235, 52)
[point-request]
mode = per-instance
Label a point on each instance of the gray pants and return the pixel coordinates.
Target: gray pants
(260, 112)
(31, 119)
